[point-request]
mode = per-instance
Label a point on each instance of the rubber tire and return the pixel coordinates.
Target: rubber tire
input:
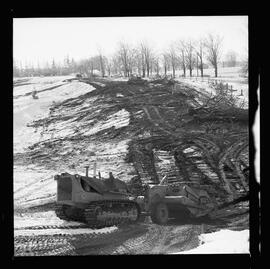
(160, 213)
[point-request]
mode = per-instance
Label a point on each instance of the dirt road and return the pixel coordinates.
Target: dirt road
(143, 238)
(47, 235)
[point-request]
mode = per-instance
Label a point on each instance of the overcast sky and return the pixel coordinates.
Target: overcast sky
(43, 39)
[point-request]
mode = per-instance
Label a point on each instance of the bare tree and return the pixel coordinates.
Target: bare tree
(54, 69)
(124, 55)
(156, 65)
(16, 69)
(166, 60)
(91, 63)
(138, 60)
(213, 44)
(109, 65)
(102, 64)
(142, 63)
(231, 58)
(190, 57)
(199, 49)
(116, 63)
(173, 58)
(244, 64)
(146, 52)
(132, 60)
(182, 46)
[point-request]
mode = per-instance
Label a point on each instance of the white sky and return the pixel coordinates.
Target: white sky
(42, 39)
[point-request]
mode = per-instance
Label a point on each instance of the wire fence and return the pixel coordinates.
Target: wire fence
(214, 82)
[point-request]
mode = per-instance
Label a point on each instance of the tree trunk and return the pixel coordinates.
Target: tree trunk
(216, 71)
(201, 68)
(197, 65)
(190, 72)
(148, 70)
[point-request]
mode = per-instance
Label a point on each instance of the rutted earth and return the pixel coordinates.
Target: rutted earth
(60, 132)
(42, 233)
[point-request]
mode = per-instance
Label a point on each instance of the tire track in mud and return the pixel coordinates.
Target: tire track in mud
(155, 122)
(41, 245)
(139, 238)
(57, 244)
(44, 227)
(159, 240)
(145, 239)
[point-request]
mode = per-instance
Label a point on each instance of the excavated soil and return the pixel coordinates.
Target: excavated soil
(107, 120)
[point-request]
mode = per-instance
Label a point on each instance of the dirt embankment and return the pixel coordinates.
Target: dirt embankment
(118, 125)
(104, 122)
(133, 130)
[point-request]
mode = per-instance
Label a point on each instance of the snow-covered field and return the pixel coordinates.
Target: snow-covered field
(222, 242)
(31, 183)
(27, 109)
(228, 75)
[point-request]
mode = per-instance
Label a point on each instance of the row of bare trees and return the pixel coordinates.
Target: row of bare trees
(142, 60)
(182, 55)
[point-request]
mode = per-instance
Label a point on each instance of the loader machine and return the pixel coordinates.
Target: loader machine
(178, 200)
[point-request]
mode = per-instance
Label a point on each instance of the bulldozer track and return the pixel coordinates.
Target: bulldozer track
(56, 244)
(112, 213)
(44, 227)
(135, 239)
(100, 214)
(42, 245)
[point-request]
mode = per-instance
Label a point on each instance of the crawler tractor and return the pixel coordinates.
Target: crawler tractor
(101, 202)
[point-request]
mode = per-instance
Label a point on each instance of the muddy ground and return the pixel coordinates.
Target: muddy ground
(70, 128)
(140, 238)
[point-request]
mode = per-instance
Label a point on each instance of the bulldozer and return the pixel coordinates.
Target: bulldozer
(101, 202)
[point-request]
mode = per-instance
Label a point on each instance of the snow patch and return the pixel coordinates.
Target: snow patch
(221, 242)
(117, 120)
(26, 109)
